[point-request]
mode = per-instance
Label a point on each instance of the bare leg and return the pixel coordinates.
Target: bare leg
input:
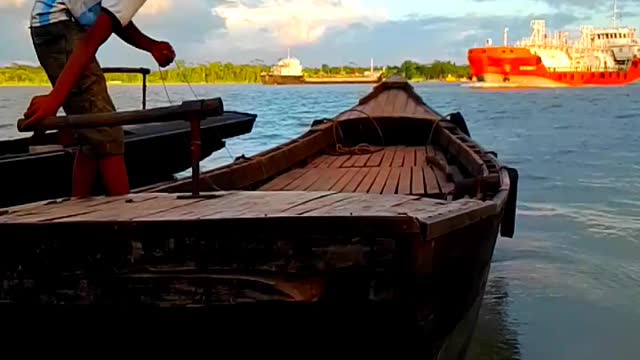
(114, 175)
(85, 169)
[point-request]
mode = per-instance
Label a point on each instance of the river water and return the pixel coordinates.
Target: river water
(568, 285)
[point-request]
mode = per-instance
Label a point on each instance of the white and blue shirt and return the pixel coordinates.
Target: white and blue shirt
(85, 12)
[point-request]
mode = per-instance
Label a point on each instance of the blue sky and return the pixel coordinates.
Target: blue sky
(324, 31)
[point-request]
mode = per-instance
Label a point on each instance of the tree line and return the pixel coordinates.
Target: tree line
(220, 73)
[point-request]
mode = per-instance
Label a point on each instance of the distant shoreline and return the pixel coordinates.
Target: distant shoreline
(116, 84)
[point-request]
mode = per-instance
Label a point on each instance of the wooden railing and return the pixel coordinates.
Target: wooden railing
(193, 111)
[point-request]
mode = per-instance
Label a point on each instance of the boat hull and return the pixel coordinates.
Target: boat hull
(511, 66)
(406, 292)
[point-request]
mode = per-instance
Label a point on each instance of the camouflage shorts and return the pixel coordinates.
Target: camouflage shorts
(54, 44)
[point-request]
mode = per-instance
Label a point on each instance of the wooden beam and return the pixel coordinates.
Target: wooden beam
(188, 110)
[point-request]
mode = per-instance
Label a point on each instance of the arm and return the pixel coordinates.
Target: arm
(136, 38)
(161, 51)
(82, 56)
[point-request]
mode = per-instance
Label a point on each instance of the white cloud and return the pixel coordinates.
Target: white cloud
(154, 7)
(12, 3)
(293, 22)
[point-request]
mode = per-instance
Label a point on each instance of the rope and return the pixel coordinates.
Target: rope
(359, 149)
(164, 85)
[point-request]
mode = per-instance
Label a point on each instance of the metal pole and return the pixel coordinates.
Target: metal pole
(196, 146)
(144, 91)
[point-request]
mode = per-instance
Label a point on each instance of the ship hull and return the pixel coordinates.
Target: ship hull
(282, 80)
(301, 80)
(512, 66)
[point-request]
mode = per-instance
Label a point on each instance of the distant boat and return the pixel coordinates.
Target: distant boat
(600, 57)
(289, 72)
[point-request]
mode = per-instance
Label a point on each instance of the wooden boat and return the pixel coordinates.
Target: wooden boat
(155, 152)
(380, 223)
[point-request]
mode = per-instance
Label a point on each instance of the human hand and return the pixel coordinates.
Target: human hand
(163, 53)
(40, 108)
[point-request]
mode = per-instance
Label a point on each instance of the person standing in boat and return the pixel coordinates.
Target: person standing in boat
(66, 35)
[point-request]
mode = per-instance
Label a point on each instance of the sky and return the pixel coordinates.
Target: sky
(334, 32)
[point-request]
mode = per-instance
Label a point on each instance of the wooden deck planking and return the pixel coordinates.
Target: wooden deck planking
(417, 181)
(356, 180)
(129, 211)
(318, 203)
(392, 181)
(376, 159)
(326, 162)
(351, 161)
(421, 156)
(56, 210)
(344, 180)
(387, 159)
(398, 157)
(262, 207)
(409, 157)
(327, 179)
(340, 161)
(404, 183)
(370, 205)
(305, 180)
(282, 181)
(317, 161)
(368, 180)
(361, 160)
(430, 180)
(381, 180)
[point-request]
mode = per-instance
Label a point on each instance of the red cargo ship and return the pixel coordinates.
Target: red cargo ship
(600, 57)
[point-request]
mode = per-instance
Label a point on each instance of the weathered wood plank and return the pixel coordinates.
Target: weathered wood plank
(327, 161)
(351, 161)
(398, 157)
(317, 161)
(421, 156)
(366, 183)
(409, 157)
(392, 181)
(417, 181)
(340, 161)
(377, 205)
(404, 184)
(430, 181)
(318, 203)
(356, 180)
(376, 159)
(305, 180)
(328, 178)
(381, 180)
(129, 210)
(283, 180)
(361, 160)
(387, 159)
(56, 210)
(344, 181)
